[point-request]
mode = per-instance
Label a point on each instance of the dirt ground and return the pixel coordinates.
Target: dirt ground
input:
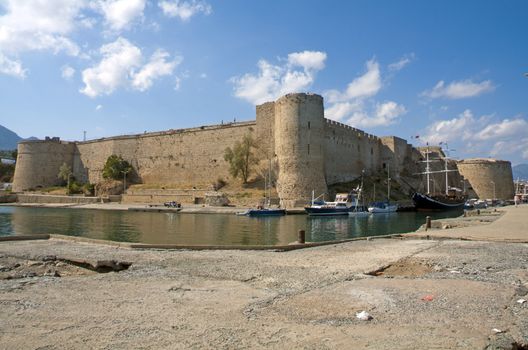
(419, 293)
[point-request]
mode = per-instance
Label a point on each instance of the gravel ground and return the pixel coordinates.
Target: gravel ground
(420, 294)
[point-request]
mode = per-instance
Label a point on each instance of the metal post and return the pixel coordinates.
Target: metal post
(301, 237)
(427, 223)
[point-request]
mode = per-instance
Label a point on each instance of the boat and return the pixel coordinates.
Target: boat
(382, 207)
(386, 206)
(452, 199)
(341, 206)
(359, 209)
(265, 210)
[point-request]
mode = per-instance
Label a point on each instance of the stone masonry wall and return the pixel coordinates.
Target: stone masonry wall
(487, 176)
(38, 163)
(348, 151)
(192, 157)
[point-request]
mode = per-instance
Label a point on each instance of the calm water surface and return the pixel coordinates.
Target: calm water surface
(201, 229)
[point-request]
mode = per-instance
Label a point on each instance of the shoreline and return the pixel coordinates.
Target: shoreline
(422, 291)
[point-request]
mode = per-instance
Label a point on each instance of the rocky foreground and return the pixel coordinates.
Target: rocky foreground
(417, 293)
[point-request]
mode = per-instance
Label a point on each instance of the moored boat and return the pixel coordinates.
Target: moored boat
(452, 199)
(264, 212)
(382, 207)
(341, 206)
(425, 202)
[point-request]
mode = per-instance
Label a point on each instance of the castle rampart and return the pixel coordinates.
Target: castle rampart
(489, 178)
(307, 152)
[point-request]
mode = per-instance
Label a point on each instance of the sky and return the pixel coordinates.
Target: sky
(450, 72)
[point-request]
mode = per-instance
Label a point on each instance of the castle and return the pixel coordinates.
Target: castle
(308, 152)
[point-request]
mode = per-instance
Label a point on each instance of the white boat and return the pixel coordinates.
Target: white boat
(341, 206)
(359, 209)
(382, 207)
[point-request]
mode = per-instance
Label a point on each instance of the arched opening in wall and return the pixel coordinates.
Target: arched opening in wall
(384, 165)
(308, 125)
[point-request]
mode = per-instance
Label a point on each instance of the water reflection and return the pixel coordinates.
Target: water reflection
(200, 229)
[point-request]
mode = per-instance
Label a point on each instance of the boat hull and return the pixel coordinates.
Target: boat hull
(423, 202)
(265, 212)
(327, 211)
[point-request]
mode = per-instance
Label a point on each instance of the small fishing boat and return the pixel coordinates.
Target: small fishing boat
(359, 209)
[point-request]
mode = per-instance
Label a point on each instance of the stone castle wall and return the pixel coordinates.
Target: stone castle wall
(348, 151)
(38, 163)
(487, 176)
(306, 151)
(192, 157)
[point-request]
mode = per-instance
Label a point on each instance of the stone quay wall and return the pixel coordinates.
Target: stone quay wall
(489, 178)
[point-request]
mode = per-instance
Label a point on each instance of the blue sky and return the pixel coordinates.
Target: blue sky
(448, 71)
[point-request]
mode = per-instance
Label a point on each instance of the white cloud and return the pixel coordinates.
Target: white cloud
(273, 81)
(506, 128)
(402, 62)
(459, 89)
(157, 67)
(67, 72)
(308, 59)
(184, 10)
(367, 85)
(122, 66)
(11, 67)
(98, 107)
(452, 129)
(385, 114)
(39, 25)
(120, 14)
(470, 135)
(356, 105)
(120, 58)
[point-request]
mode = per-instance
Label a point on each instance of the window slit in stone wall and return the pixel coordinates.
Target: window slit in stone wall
(308, 147)
(308, 128)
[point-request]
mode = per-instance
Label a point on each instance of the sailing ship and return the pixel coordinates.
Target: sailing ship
(452, 199)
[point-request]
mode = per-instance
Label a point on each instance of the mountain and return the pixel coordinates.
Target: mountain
(520, 171)
(8, 139)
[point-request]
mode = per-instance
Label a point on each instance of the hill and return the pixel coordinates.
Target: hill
(8, 139)
(520, 171)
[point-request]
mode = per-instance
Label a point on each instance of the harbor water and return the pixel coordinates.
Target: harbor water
(202, 229)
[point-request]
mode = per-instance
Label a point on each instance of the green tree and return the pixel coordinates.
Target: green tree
(241, 158)
(65, 173)
(116, 168)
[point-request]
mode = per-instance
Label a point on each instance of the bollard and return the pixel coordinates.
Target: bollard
(427, 223)
(301, 237)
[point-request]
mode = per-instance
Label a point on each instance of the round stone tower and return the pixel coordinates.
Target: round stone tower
(299, 136)
(38, 163)
(489, 178)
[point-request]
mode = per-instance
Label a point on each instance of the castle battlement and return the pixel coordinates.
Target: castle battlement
(309, 152)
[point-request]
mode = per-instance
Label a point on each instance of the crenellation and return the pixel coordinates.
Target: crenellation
(307, 151)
